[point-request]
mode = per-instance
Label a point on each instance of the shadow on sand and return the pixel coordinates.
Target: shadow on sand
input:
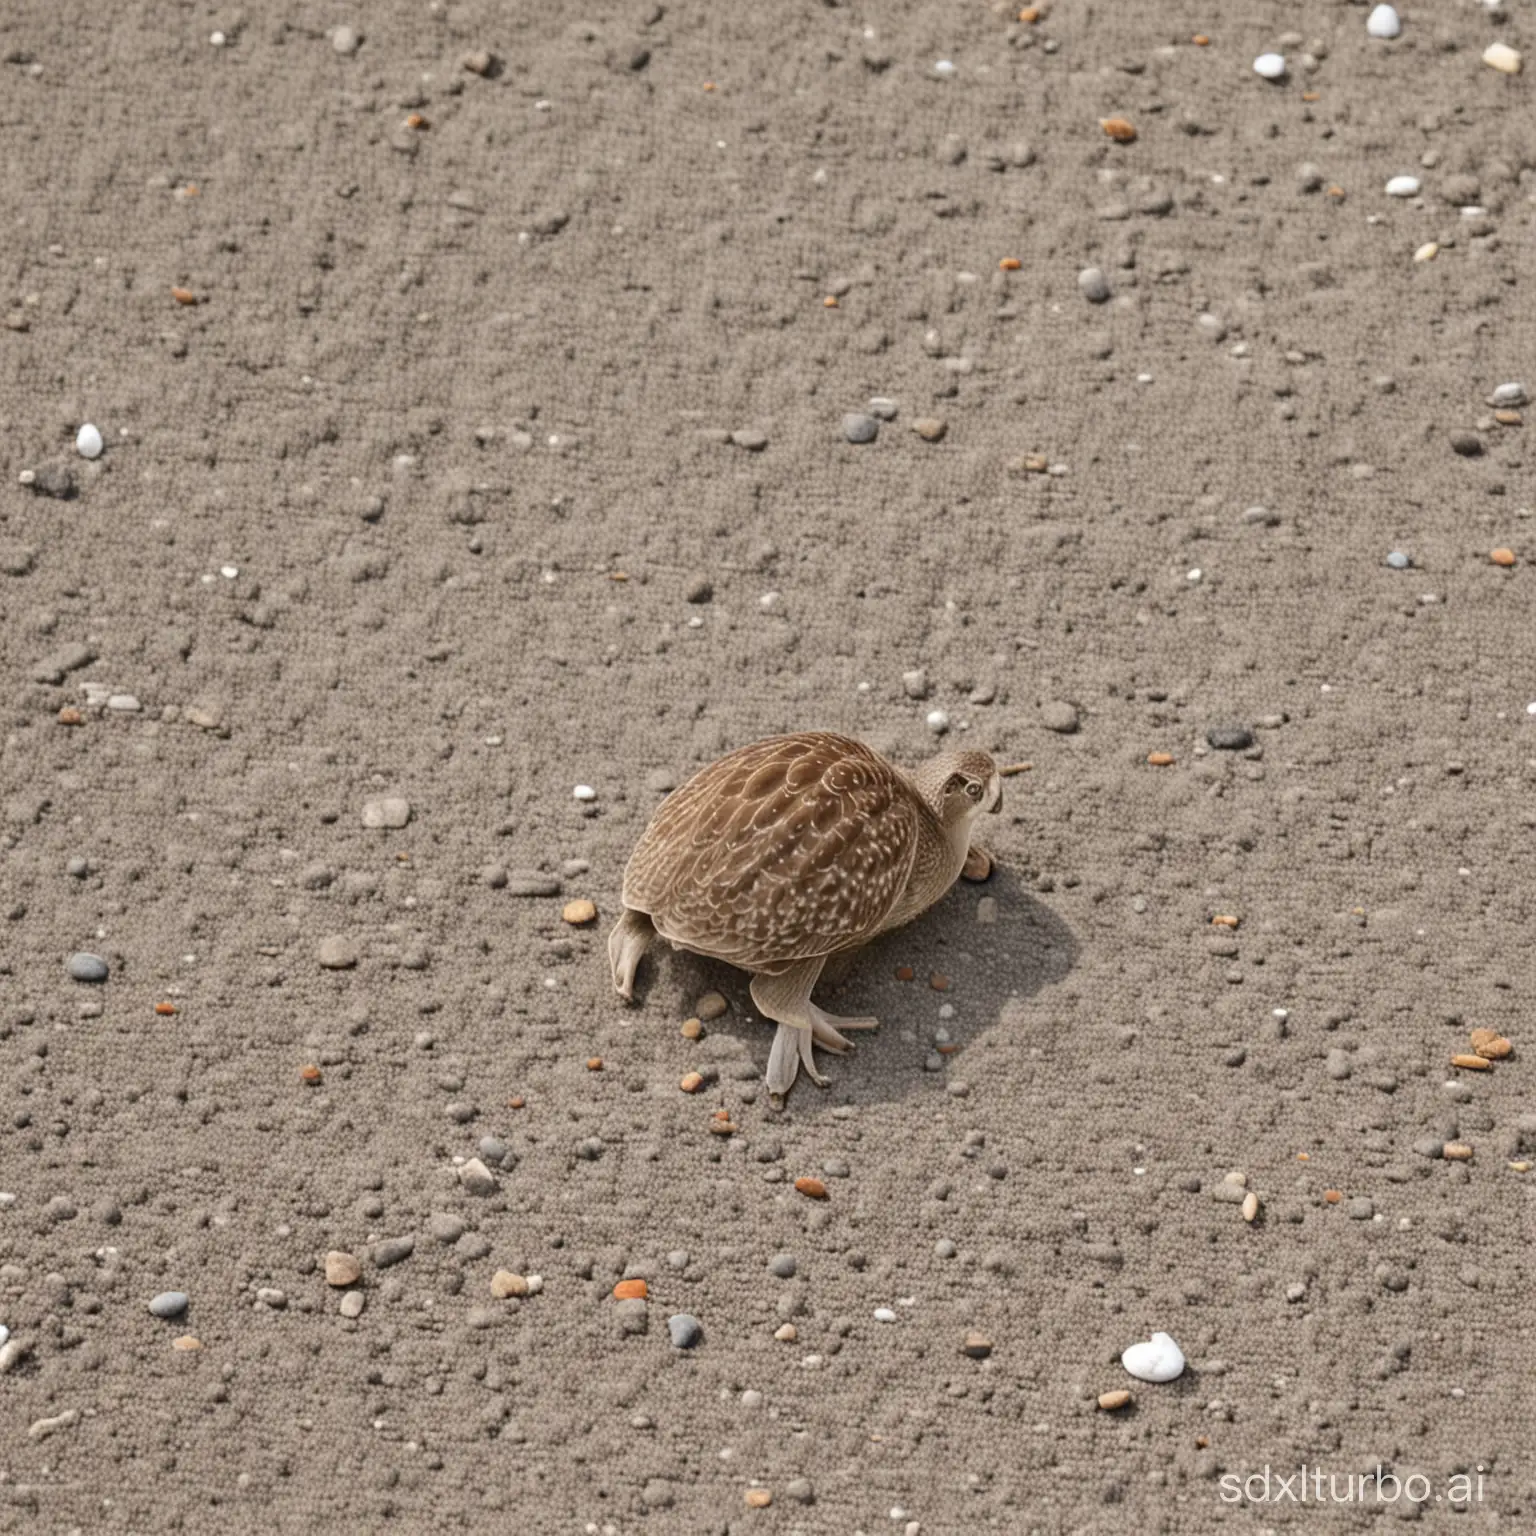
(988, 966)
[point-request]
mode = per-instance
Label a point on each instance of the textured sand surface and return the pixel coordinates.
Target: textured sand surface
(429, 492)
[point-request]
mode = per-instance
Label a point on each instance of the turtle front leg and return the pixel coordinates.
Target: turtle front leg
(626, 944)
(978, 865)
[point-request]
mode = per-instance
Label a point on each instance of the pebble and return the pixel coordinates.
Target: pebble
(446, 1227)
(1270, 65)
(578, 912)
(270, 1296)
(1502, 57)
(884, 1315)
(88, 443)
(386, 811)
(1155, 1359)
(1093, 285)
(686, 1330)
(883, 408)
(1111, 1401)
(930, 428)
(977, 1345)
(812, 1189)
(341, 1269)
(170, 1304)
(87, 967)
(1468, 444)
(476, 1178)
(753, 442)
(783, 1265)
(1428, 251)
(1229, 738)
(1360, 1208)
(1060, 717)
(393, 1250)
(584, 792)
(937, 721)
(1398, 560)
(945, 1248)
(859, 428)
(1338, 1064)
(123, 703)
(758, 1498)
(1403, 186)
(352, 1304)
(531, 882)
(337, 953)
(1383, 22)
(800, 1490)
(505, 1283)
(345, 40)
(915, 683)
(711, 1006)
(1509, 395)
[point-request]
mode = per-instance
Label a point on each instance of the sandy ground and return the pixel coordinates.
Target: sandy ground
(429, 493)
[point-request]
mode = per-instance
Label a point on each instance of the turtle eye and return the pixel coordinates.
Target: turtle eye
(973, 789)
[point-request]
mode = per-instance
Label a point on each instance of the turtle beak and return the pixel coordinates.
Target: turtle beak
(995, 795)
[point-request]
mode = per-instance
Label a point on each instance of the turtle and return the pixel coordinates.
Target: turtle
(784, 853)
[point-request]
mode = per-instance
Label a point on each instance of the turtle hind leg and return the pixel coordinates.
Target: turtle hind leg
(626, 944)
(786, 999)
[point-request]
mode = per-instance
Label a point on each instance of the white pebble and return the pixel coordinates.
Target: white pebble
(1270, 65)
(1530, 708)
(1427, 252)
(938, 721)
(1383, 22)
(1156, 1359)
(88, 443)
(1403, 186)
(217, 39)
(944, 69)
(1502, 57)
(584, 792)
(229, 572)
(884, 1315)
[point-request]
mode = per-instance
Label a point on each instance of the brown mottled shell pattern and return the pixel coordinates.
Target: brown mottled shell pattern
(792, 847)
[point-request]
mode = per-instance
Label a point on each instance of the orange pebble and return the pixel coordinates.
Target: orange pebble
(1029, 15)
(1224, 921)
(830, 302)
(692, 1082)
(1160, 759)
(1332, 1196)
(516, 1103)
(758, 1498)
(416, 120)
(70, 716)
(631, 1290)
(1335, 191)
(939, 982)
(1200, 40)
(1503, 557)
(904, 973)
(1310, 96)
(813, 1189)
(311, 1075)
(1009, 264)
(1495, 1049)
(709, 85)
(183, 295)
(1472, 1063)
(578, 912)
(1119, 129)
(165, 1010)
(594, 1063)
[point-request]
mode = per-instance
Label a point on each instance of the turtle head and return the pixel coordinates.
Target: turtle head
(959, 786)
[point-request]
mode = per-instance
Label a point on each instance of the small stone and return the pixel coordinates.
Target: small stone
(1360, 1208)
(1509, 395)
(1429, 1146)
(752, 441)
(937, 721)
(186, 1343)
(1270, 65)
(56, 480)
(1309, 178)
(1502, 57)
(859, 428)
(1111, 1402)
(945, 1248)
(1250, 1207)
(1093, 285)
(800, 1490)
(84, 966)
(576, 913)
(1403, 186)
(346, 41)
(590, 1148)
(337, 953)
(446, 1227)
(504, 1284)
(783, 1265)
(1428, 251)
(685, 1329)
(88, 443)
(977, 1345)
(758, 1498)
(1468, 444)
(476, 1178)
(170, 1304)
(480, 62)
(884, 1315)
(711, 1006)
(1383, 22)
(58, 664)
(930, 428)
(341, 1269)
(352, 1304)
(386, 811)
(1338, 1064)
(271, 1296)
(1229, 738)
(631, 1290)
(531, 882)
(812, 1189)
(1060, 717)
(1156, 1359)
(882, 408)
(1398, 560)
(692, 1029)
(393, 1250)
(915, 683)
(1457, 1151)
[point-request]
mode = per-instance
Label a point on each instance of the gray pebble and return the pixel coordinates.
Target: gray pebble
(1295, 1291)
(800, 1490)
(1261, 516)
(686, 1330)
(461, 1114)
(1212, 327)
(393, 1250)
(1093, 285)
(1229, 738)
(835, 1168)
(345, 40)
(753, 442)
(1361, 1208)
(1468, 444)
(632, 1315)
(915, 683)
(55, 480)
(1429, 1146)
(1309, 178)
(337, 953)
(391, 811)
(492, 1148)
(678, 1259)
(701, 590)
(882, 408)
(1398, 560)
(446, 1227)
(783, 1265)
(1235, 1057)
(591, 1149)
(60, 1208)
(1338, 1064)
(1060, 717)
(87, 967)
(531, 882)
(59, 663)
(495, 876)
(270, 1296)
(170, 1304)
(945, 1248)
(1391, 1278)
(859, 428)
(352, 1304)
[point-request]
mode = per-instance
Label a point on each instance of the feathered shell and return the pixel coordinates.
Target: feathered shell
(792, 847)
